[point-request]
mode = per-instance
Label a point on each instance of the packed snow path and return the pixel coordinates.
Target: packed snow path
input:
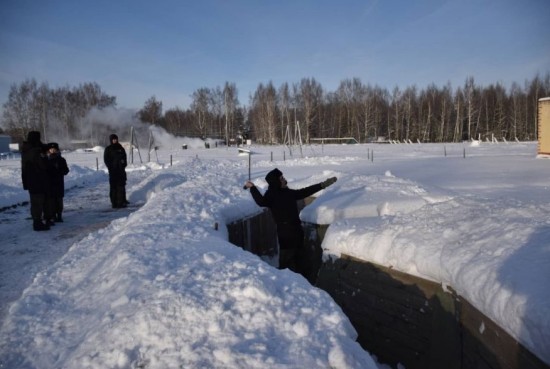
(25, 252)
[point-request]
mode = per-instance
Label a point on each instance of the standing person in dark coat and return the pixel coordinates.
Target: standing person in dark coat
(34, 174)
(57, 170)
(282, 201)
(115, 160)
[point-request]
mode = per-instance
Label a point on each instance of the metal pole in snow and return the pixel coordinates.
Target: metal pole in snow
(249, 164)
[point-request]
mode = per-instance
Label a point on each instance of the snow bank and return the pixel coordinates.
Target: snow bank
(492, 253)
(163, 289)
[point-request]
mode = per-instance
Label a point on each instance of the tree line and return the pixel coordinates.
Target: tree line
(355, 109)
(53, 112)
(366, 112)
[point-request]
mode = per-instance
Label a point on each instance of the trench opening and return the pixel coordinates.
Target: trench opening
(402, 319)
(258, 234)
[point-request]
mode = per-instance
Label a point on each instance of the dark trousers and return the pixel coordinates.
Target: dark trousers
(117, 193)
(38, 202)
(288, 259)
(291, 243)
(53, 207)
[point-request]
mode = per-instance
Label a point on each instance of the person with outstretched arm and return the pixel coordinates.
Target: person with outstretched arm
(282, 201)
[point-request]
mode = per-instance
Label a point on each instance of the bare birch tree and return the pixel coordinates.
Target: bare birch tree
(284, 106)
(396, 110)
(471, 106)
(231, 103)
(264, 113)
(151, 112)
(199, 106)
(309, 96)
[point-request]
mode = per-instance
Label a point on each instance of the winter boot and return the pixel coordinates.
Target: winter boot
(50, 222)
(59, 218)
(37, 225)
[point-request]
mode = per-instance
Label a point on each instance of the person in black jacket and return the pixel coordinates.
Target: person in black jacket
(34, 175)
(57, 170)
(282, 201)
(115, 160)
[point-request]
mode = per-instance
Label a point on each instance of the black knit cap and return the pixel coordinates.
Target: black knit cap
(33, 137)
(53, 145)
(272, 178)
(113, 137)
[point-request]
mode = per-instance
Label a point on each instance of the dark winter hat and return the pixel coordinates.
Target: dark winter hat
(53, 145)
(33, 137)
(113, 137)
(272, 178)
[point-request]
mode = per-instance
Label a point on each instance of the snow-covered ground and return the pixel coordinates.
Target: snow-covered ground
(157, 286)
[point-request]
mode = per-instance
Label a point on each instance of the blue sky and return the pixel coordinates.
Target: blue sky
(136, 49)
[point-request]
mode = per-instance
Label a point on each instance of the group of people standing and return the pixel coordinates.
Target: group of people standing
(42, 172)
(43, 169)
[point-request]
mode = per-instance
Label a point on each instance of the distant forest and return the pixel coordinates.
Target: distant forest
(354, 109)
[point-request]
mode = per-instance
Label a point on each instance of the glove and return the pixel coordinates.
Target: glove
(328, 182)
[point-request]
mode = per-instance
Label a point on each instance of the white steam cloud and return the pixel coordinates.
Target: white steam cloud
(98, 124)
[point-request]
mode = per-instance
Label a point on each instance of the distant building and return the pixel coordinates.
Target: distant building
(79, 144)
(5, 142)
(380, 140)
(334, 140)
(543, 120)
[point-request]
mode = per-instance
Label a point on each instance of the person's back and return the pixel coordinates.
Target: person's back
(283, 205)
(34, 175)
(33, 165)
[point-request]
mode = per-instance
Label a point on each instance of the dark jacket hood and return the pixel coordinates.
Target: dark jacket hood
(272, 178)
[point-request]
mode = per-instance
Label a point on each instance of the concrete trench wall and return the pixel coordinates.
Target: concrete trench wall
(257, 234)
(399, 318)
